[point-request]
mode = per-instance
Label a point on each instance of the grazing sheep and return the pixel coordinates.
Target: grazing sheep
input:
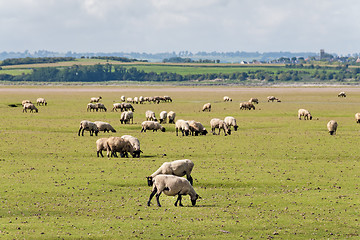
(207, 107)
(220, 124)
(254, 100)
(183, 126)
(126, 117)
(117, 106)
(104, 126)
(101, 145)
(141, 100)
(95, 99)
(136, 100)
(117, 144)
(231, 121)
(88, 126)
(246, 105)
(172, 185)
(92, 106)
(357, 117)
(41, 101)
(171, 117)
(163, 117)
(122, 98)
(135, 143)
(167, 99)
(150, 116)
(272, 98)
(127, 107)
(151, 125)
(29, 106)
(177, 168)
(25, 101)
(129, 100)
(227, 99)
(332, 126)
(196, 128)
(342, 94)
(304, 113)
(101, 106)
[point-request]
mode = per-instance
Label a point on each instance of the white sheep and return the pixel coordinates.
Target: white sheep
(332, 126)
(101, 106)
(207, 107)
(172, 185)
(126, 117)
(117, 144)
(171, 117)
(163, 117)
(183, 126)
(92, 106)
(95, 99)
(272, 98)
(342, 94)
(29, 106)
(104, 126)
(220, 124)
(231, 121)
(126, 107)
(246, 105)
(254, 100)
(25, 101)
(101, 145)
(141, 100)
(135, 143)
(197, 128)
(178, 168)
(116, 106)
(150, 116)
(122, 98)
(227, 99)
(88, 126)
(357, 117)
(136, 100)
(151, 125)
(304, 113)
(41, 101)
(129, 100)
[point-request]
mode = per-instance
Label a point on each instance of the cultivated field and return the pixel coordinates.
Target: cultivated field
(276, 177)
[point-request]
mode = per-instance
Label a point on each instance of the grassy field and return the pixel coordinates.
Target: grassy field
(276, 177)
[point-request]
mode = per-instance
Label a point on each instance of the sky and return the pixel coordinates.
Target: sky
(155, 26)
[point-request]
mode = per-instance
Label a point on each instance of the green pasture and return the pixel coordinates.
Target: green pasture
(276, 177)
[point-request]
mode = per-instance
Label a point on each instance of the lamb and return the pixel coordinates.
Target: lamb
(88, 126)
(332, 126)
(92, 106)
(357, 117)
(101, 145)
(101, 106)
(151, 125)
(126, 107)
(29, 106)
(196, 128)
(41, 101)
(117, 144)
(254, 100)
(227, 99)
(25, 101)
(218, 123)
(126, 117)
(150, 116)
(163, 117)
(207, 107)
(305, 113)
(117, 106)
(172, 185)
(135, 144)
(246, 105)
(231, 121)
(171, 117)
(183, 126)
(272, 98)
(104, 126)
(177, 168)
(95, 99)
(342, 94)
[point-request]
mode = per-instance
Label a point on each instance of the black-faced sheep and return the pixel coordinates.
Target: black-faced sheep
(342, 94)
(135, 144)
(29, 106)
(171, 117)
(122, 98)
(136, 100)
(104, 126)
(207, 107)
(127, 107)
(227, 99)
(163, 117)
(246, 105)
(231, 121)
(117, 144)
(304, 113)
(95, 99)
(183, 126)
(272, 98)
(101, 145)
(197, 128)
(126, 117)
(92, 106)
(25, 101)
(151, 125)
(220, 124)
(101, 107)
(41, 102)
(357, 117)
(172, 185)
(332, 126)
(116, 107)
(167, 99)
(88, 126)
(150, 116)
(254, 100)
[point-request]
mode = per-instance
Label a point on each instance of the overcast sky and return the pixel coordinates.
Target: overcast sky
(154, 26)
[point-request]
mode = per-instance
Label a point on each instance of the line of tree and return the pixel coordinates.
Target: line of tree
(29, 60)
(120, 59)
(109, 72)
(188, 60)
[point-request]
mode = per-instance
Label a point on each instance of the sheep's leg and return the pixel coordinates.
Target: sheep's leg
(79, 130)
(176, 130)
(152, 195)
(157, 199)
(82, 133)
(190, 179)
(178, 200)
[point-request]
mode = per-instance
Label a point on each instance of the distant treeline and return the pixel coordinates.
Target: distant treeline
(29, 60)
(188, 60)
(120, 59)
(109, 72)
